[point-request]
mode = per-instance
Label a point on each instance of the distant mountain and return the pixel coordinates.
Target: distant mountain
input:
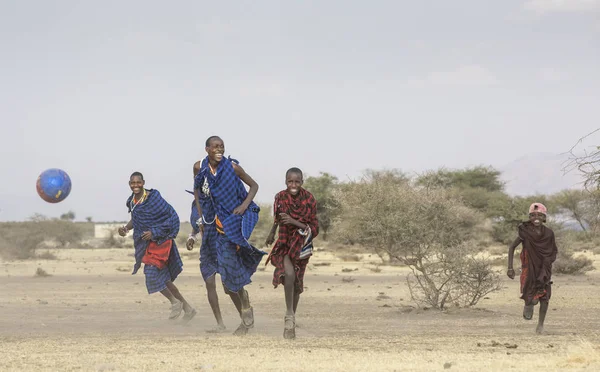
(539, 173)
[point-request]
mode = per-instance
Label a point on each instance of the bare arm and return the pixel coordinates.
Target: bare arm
(196, 196)
(271, 236)
(511, 253)
(197, 202)
(196, 168)
(245, 177)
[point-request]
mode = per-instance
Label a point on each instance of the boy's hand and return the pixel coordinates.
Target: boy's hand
(511, 273)
(189, 244)
(270, 239)
(285, 219)
(122, 231)
(147, 235)
(240, 209)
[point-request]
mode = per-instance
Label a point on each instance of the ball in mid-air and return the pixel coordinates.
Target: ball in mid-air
(53, 185)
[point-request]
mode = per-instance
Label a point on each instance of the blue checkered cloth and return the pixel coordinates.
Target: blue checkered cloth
(208, 250)
(156, 280)
(226, 192)
(155, 215)
(235, 267)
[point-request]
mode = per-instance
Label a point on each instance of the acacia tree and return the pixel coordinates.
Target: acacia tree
(426, 229)
(585, 160)
(328, 208)
(573, 203)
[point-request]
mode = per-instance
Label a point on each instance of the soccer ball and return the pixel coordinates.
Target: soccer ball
(53, 185)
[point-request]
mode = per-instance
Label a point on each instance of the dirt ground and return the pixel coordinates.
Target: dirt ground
(91, 314)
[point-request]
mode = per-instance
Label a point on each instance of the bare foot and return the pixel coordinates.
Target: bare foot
(540, 329)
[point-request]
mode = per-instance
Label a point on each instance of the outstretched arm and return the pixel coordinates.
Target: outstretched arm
(511, 254)
(245, 177)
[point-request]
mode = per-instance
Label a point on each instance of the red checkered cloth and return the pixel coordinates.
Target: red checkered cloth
(302, 207)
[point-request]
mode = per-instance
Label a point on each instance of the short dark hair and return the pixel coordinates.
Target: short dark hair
(211, 138)
(294, 170)
(138, 174)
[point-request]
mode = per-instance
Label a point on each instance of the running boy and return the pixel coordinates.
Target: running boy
(155, 226)
(295, 211)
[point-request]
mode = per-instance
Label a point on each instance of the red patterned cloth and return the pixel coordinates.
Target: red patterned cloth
(302, 207)
(157, 254)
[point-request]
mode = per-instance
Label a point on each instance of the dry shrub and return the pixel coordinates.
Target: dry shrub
(41, 273)
(497, 250)
(428, 230)
(20, 240)
(349, 257)
(376, 269)
(47, 256)
(263, 226)
(568, 264)
(112, 241)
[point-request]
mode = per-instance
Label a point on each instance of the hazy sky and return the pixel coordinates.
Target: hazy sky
(102, 89)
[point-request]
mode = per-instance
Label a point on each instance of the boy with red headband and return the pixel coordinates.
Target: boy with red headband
(538, 253)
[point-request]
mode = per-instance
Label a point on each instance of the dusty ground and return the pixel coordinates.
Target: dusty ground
(92, 315)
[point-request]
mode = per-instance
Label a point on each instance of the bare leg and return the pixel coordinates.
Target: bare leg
(213, 300)
(167, 293)
(237, 301)
(296, 300)
(542, 317)
(288, 285)
(176, 305)
(242, 304)
(289, 330)
(175, 292)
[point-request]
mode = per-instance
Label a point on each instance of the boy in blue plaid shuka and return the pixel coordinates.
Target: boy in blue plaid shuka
(155, 225)
(219, 182)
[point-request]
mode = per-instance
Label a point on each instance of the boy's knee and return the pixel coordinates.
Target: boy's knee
(290, 275)
(210, 282)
